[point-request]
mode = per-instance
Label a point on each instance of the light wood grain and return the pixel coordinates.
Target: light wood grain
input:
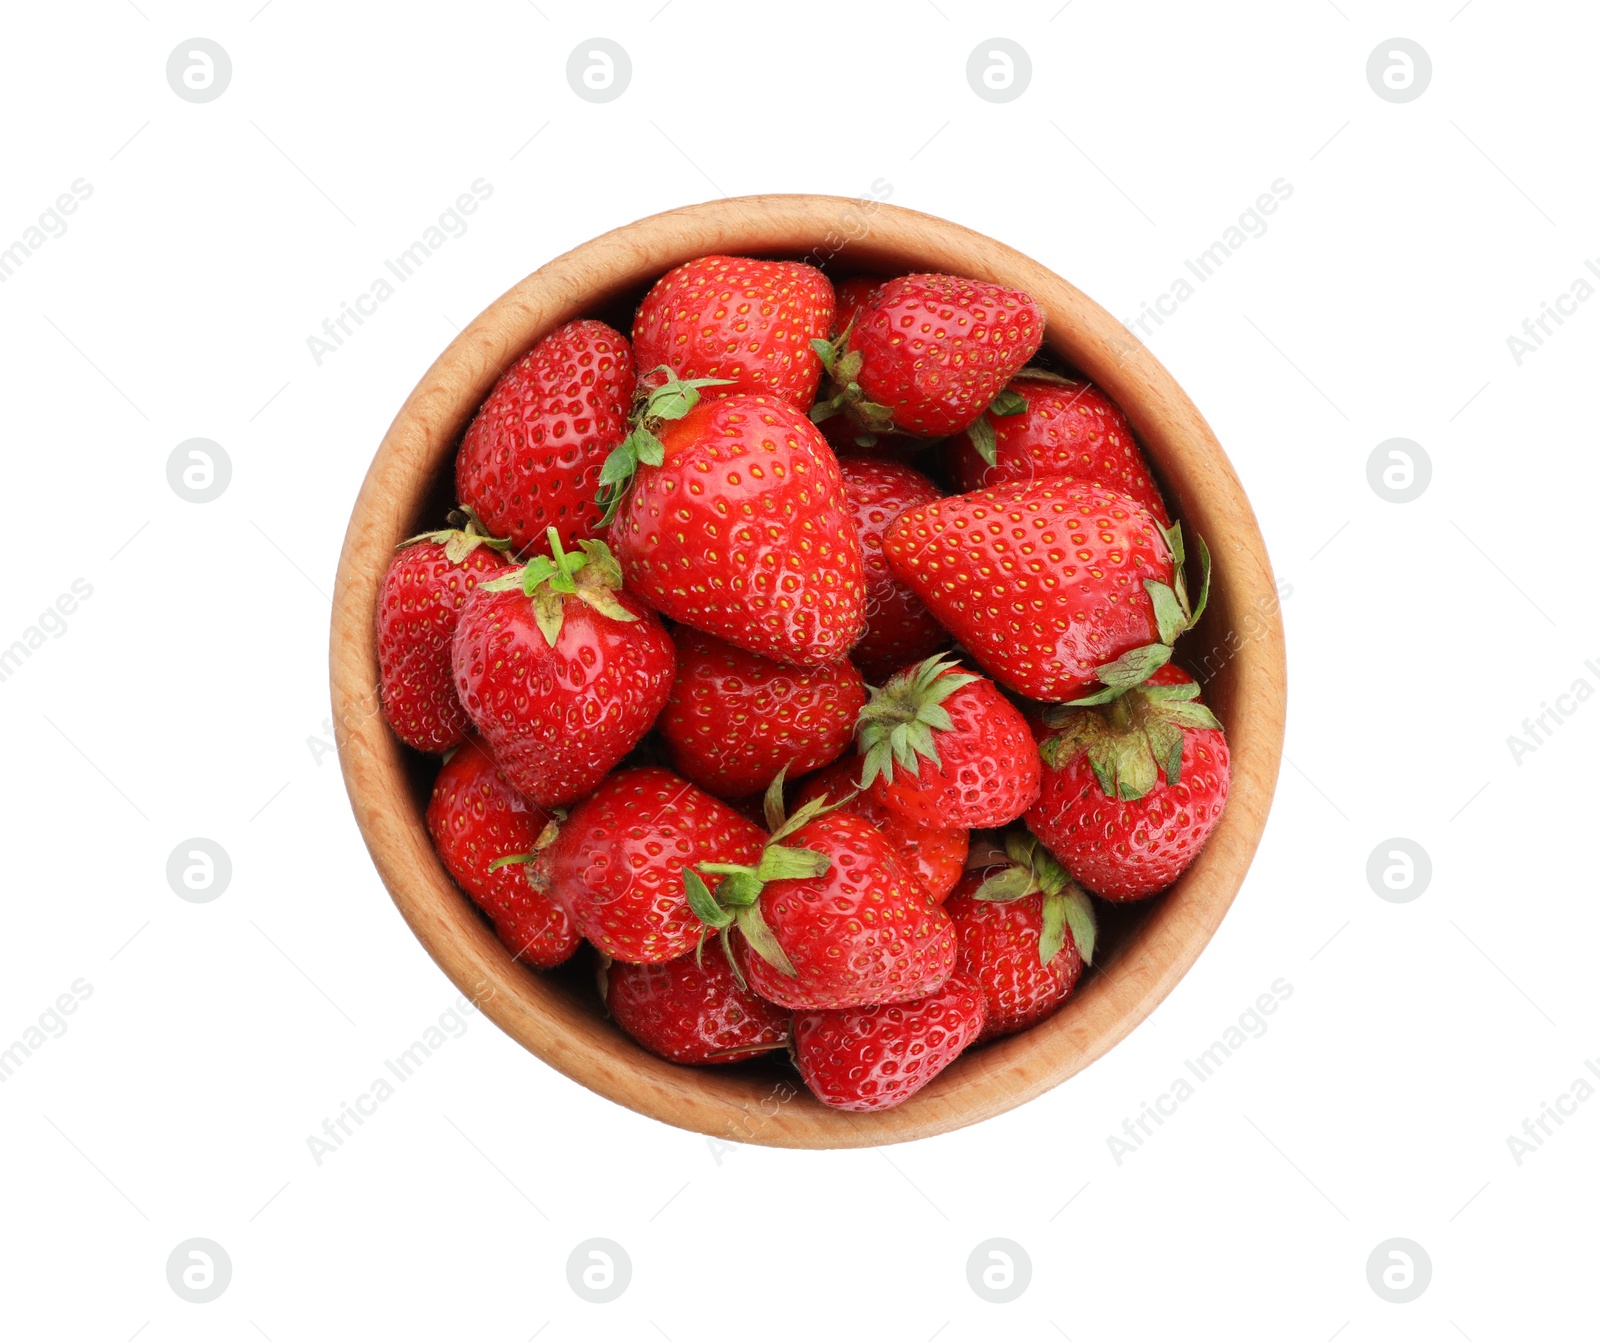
(1240, 643)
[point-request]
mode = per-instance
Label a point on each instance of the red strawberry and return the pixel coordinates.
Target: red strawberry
(928, 353)
(692, 1010)
(742, 529)
(1132, 787)
(945, 749)
(1025, 932)
(750, 322)
(1049, 585)
(419, 602)
(872, 1058)
(617, 864)
(1045, 427)
(900, 629)
(531, 457)
(828, 917)
(848, 296)
(478, 821)
(561, 670)
(736, 718)
(937, 857)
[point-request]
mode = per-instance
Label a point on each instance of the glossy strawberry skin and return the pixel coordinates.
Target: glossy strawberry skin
(735, 718)
(558, 719)
(732, 317)
(531, 457)
(692, 1014)
(419, 604)
(936, 857)
(868, 1059)
(999, 951)
(848, 296)
(743, 532)
(863, 933)
(936, 349)
(988, 770)
(1127, 850)
(900, 629)
(476, 816)
(1040, 582)
(617, 864)
(1071, 430)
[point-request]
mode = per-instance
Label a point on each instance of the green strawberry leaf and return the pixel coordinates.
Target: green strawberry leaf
(702, 901)
(647, 448)
(1008, 402)
(1188, 715)
(1053, 928)
(1123, 766)
(1205, 580)
(825, 351)
(1171, 619)
(762, 941)
(791, 864)
(1134, 667)
(1081, 922)
(980, 433)
(621, 464)
(549, 613)
(1160, 693)
(772, 803)
(511, 858)
(1012, 883)
(1166, 745)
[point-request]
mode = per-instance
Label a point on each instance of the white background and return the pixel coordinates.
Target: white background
(187, 696)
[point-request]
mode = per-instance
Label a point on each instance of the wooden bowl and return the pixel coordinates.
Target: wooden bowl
(1237, 652)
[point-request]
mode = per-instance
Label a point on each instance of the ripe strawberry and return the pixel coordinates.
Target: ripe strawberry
(741, 528)
(1025, 932)
(945, 749)
(1132, 787)
(561, 670)
(873, 1058)
(692, 1010)
(530, 460)
(735, 718)
(937, 857)
(828, 917)
(848, 296)
(900, 629)
(419, 602)
(928, 353)
(617, 864)
(1044, 427)
(484, 830)
(1050, 585)
(750, 322)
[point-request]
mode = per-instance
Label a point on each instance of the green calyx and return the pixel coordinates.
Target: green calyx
(980, 433)
(464, 535)
(1132, 739)
(673, 399)
(900, 721)
(1175, 615)
(844, 395)
(1035, 870)
(592, 575)
(735, 900)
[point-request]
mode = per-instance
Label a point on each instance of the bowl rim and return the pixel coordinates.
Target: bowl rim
(1247, 687)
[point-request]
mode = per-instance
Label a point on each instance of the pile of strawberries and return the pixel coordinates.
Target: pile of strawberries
(743, 627)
